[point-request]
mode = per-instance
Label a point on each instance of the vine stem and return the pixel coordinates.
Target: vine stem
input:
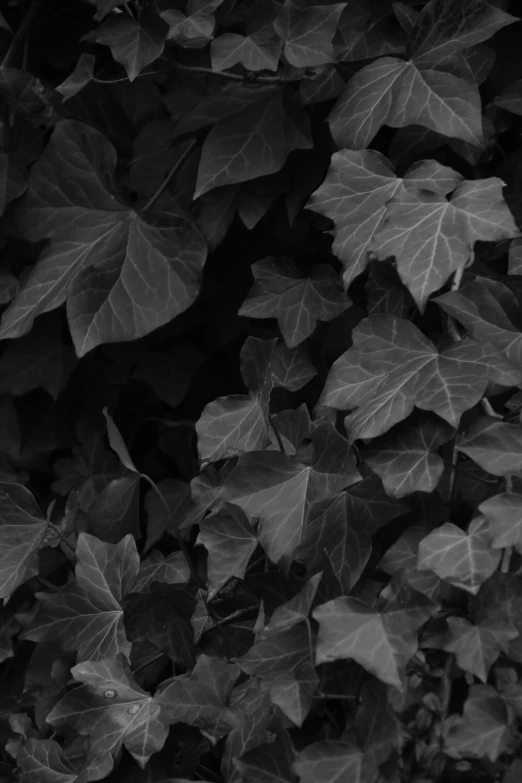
(180, 161)
(277, 435)
(60, 535)
(20, 33)
(238, 77)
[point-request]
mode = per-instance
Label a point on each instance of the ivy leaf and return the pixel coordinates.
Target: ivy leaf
(201, 698)
(308, 32)
(176, 496)
(392, 367)
(297, 609)
(464, 560)
(504, 514)
(44, 761)
(194, 29)
(476, 647)
(333, 533)
(134, 43)
(483, 729)
(489, 311)
(293, 693)
(298, 302)
(239, 423)
(86, 615)
(268, 763)
(112, 710)
(115, 512)
(404, 459)
(230, 541)
(257, 51)
(293, 427)
(494, 445)
(23, 530)
(432, 237)
(401, 558)
(354, 195)
(79, 78)
(252, 143)
(367, 502)
(13, 180)
(329, 761)
(162, 616)
(376, 725)
(277, 653)
(280, 489)
(292, 368)
(381, 642)
(96, 257)
(170, 570)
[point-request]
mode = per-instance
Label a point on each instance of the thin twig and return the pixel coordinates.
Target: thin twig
(453, 474)
(62, 537)
(277, 434)
(238, 77)
(180, 161)
(233, 616)
(508, 551)
(470, 475)
(20, 33)
(121, 79)
(334, 696)
(151, 660)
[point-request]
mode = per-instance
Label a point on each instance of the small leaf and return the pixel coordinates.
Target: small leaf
(170, 570)
(239, 423)
(504, 514)
(230, 541)
(257, 51)
(483, 729)
(293, 693)
(298, 302)
(330, 761)
(494, 445)
(134, 44)
(308, 32)
(297, 609)
(79, 78)
(86, 615)
(115, 512)
(277, 653)
(292, 368)
(465, 560)
(404, 458)
(117, 443)
(268, 763)
(112, 710)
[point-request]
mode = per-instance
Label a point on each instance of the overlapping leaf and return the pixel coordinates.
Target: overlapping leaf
(489, 311)
(292, 368)
(279, 652)
(494, 445)
(238, 423)
(194, 29)
(483, 729)
(280, 489)
(435, 87)
(112, 711)
(298, 302)
(411, 218)
(308, 32)
(170, 570)
(86, 614)
(392, 367)
(44, 760)
(401, 559)
(100, 250)
(257, 51)
(329, 761)
(504, 514)
(381, 642)
(465, 560)
(268, 762)
(230, 541)
(405, 459)
(293, 693)
(23, 530)
(251, 143)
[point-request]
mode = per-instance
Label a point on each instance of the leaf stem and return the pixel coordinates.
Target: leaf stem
(20, 34)
(150, 660)
(180, 161)
(250, 78)
(62, 537)
(452, 325)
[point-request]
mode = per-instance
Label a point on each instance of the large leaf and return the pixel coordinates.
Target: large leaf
(44, 760)
(393, 367)
(494, 445)
(230, 542)
(405, 458)
(483, 729)
(280, 489)
(504, 514)
(411, 218)
(23, 530)
(238, 423)
(252, 143)
(111, 710)
(307, 32)
(381, 642)
(489, 311)
(434, 88)
(101, 250)
(465, 560)
(86, 615)
(298, 302)
(134, 44)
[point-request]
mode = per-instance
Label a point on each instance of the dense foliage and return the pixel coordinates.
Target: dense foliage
(260, 391)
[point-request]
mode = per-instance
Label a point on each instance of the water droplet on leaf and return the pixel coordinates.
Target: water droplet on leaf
(133, 709)
(109, 694)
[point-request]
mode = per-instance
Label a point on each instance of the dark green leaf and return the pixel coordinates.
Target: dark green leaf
(292, 368)
(230, 541)
(483, 729)
(330, 761)
(307, 32)
(494, 445)
(115, 512)
(268, 763)
(170, 570)
(257, 51)
(134, 43)
(43, 761)
(504, 514)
